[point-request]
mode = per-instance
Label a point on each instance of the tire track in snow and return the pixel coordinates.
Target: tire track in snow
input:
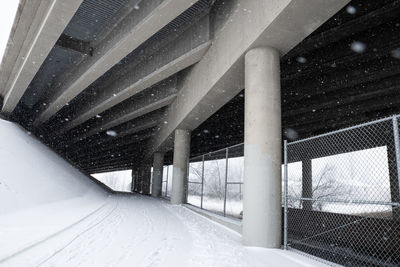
(41, 242)
(96, 223)
(75, 249)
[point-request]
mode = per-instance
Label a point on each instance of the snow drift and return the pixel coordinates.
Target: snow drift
(31, 174)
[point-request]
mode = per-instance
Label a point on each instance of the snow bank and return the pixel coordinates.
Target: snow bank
(31, 174)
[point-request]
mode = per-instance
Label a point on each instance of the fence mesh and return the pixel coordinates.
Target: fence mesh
(215, 181)
(341, 192)
(343, 196)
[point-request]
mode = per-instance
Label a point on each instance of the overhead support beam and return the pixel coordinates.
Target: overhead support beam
(67, 42)
(183, 52)
(45, 27)
(140, 124)
(26, 23)
(154, 98)
(122, 167)
(120, 148)
(218, 77)
(108, 155)
(133, 31)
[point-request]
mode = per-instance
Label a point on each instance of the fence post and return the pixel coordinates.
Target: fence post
(202, 182)
(285, 194)
(226, 177)
(187, 179)
(166, 183)
(397, 147)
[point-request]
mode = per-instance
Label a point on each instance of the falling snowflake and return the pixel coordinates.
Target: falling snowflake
(291, 134)
(111, 133)
(358, 47)
(396, 53)
(301, 60)
(351, 10)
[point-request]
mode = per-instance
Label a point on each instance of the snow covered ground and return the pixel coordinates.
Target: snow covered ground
(141, 231)
(53, 215)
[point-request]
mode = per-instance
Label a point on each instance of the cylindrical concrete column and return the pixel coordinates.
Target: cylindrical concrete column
(146, 176)
(179, 173)
(262, 149)
(133, 183)
(139, 180)
(158, 166)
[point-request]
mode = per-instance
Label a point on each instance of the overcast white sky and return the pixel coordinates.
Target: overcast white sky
(7, 14)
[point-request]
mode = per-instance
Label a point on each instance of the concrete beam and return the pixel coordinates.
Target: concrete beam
(146, 122)
(154, 98)
(183, 52)
(103, 155)
(133, 31)
(218, 77)
(69, 43)
(45, 27)
(22, 30)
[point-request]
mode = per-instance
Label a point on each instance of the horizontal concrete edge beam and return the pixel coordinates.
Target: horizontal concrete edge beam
(54, 20)
(115, 48)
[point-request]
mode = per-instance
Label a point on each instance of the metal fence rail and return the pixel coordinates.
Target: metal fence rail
(341, 195)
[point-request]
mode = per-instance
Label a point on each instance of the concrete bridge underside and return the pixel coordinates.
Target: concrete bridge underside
(132, 84)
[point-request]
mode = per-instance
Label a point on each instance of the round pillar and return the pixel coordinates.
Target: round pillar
(262, 149)
(181, 159)
(158, 166)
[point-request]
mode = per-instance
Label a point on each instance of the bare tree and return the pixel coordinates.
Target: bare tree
(325, 186)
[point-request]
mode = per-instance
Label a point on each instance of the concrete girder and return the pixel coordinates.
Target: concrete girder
(103, 153)
(219, 76)
(148, 121)
(154, 98)
(176, 56)
(25, 24)
(31, 47)
(134, 30)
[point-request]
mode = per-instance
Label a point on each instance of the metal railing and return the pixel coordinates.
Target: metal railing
(341, 195)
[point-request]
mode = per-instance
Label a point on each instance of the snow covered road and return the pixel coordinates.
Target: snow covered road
(141, 231)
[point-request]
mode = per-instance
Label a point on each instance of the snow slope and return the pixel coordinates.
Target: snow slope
(40, 193)
(31, 174)
(52, 215)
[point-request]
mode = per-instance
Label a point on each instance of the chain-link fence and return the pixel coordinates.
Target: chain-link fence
(340, 192)
(342, 195)
(215, 181)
